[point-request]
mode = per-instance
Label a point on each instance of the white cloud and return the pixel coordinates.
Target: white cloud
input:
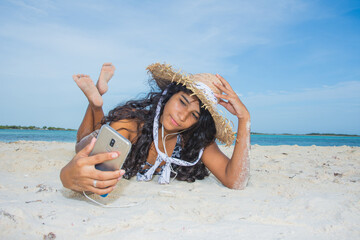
(198, 33)
(193, 35)
(37, 7)
(48, 41)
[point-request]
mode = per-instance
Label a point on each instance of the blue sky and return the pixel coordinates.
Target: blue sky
(295, 64)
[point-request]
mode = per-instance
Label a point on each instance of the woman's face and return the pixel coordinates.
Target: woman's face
(180, 112)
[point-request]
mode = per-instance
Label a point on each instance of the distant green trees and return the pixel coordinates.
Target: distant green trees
(34, 128)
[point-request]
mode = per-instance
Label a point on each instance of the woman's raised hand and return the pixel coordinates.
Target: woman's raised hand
(80, 173)
(233, 103)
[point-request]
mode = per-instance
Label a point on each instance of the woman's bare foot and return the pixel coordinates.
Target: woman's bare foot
(89, 89)
(107, 71)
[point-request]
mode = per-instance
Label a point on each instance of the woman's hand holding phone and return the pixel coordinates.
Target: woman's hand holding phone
(80, 173)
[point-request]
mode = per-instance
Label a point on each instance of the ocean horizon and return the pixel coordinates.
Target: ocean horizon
(13, 135)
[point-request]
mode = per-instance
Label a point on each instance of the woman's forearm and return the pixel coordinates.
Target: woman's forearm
(238, 168)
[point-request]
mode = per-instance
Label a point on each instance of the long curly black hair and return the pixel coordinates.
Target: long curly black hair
(142, 111)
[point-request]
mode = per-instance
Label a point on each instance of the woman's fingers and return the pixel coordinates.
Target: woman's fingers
(226, 88)
(233, 103)
(222, 96)
(224, 82)
(99, 180)
(103, 184)
(102, 157)
(99, 186)
(82, 158)
(100, 191)
(107, 175)
(222, 88)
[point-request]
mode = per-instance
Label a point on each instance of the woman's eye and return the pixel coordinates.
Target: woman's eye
(195, 116)
(183, 103)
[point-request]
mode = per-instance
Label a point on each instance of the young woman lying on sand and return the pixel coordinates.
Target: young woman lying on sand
(183, 109)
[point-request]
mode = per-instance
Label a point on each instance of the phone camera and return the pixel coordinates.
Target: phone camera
(112, 142)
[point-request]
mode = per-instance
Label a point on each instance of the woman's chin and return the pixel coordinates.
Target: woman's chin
(170, 128)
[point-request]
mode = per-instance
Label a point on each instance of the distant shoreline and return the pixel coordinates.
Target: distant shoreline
(252, 133)
(34, 128)
(307, 134)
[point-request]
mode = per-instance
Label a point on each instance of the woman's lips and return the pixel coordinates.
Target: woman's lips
(174, 122)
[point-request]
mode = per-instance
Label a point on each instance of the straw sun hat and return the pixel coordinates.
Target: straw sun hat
(202, 86)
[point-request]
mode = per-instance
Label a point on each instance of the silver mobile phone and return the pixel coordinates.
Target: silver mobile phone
(110, 140)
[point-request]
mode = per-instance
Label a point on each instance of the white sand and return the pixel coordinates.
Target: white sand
(294, 193)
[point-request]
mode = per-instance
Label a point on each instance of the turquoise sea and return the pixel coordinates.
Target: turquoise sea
(12, 135)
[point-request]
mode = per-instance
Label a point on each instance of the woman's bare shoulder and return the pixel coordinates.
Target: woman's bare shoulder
(127, 127)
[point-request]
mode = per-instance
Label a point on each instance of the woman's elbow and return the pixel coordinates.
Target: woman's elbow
(240, 183)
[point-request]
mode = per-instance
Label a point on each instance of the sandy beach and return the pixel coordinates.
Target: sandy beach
(294, 193)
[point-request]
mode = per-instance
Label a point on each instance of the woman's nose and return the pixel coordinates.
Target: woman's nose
(182, 115)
